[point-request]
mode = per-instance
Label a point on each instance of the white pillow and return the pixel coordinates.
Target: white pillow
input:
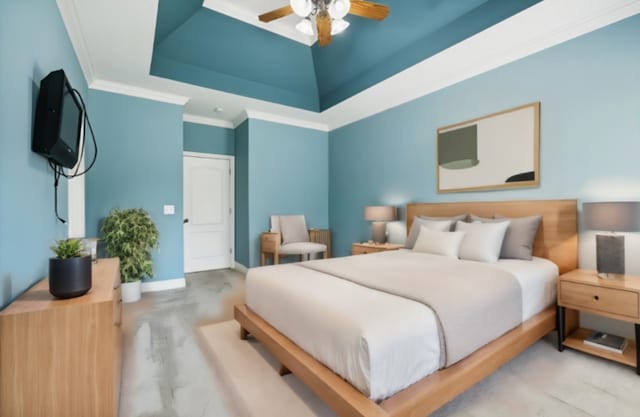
(441, 225)
(482, 241)
(438, 243)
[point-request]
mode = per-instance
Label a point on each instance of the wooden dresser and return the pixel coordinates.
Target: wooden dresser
(62, 358)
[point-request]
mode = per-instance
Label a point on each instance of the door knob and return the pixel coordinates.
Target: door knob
(185, 221)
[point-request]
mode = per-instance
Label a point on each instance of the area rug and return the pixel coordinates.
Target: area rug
(251, 376)
(541, 382)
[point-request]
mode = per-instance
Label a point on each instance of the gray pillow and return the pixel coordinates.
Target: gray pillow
(518, 241)
(293, 229)
(415, 226)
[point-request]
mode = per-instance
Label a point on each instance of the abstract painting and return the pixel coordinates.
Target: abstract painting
(497, 151)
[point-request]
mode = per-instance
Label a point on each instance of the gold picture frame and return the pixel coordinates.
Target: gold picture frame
(493, 152)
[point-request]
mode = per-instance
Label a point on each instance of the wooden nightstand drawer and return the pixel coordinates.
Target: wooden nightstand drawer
(613, 301)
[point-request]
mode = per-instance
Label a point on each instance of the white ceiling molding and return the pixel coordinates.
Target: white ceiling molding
(133, 91)
(276, 118)
(74, 28)
(192, 118)
(114, 43)
(248, 12)
(542, 26)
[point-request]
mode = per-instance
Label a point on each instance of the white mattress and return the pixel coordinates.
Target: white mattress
(380, 343)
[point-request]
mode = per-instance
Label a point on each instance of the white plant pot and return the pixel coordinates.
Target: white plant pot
(131, 291)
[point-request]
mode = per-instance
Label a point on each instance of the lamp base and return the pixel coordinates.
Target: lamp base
(379, 232)
(610, 256)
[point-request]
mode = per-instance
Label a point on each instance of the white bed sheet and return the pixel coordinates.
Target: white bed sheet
(380, 343)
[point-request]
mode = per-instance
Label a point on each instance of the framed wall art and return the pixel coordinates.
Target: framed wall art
(492, 152)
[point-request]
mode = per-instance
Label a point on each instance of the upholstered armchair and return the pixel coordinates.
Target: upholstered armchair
(289, 236)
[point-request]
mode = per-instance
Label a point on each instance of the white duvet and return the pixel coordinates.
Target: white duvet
(380, 343)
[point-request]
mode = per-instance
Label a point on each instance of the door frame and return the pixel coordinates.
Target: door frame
(232, 200)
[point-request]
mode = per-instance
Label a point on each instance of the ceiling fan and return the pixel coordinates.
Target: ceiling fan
(329, 15)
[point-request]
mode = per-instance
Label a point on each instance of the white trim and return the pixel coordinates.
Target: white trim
(167, 284)
(201, 120)
(76, 192)
(282, 27)
(285, 120)
(133, 91)
(514, 38)
(71, 22)
(232, 197)
(240, 268)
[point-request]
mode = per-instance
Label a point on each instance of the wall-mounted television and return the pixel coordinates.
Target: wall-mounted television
(58, 123)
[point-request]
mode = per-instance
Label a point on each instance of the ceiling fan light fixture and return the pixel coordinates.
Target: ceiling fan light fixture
(302, 7)
(339, 9)
(338, 26)
(305, 27)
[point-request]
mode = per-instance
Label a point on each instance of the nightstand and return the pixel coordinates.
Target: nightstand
(582, 290)
(364, 248)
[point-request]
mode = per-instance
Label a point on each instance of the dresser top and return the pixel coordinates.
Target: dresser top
(105, 276)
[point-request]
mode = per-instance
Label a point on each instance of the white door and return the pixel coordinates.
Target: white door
(207, 214)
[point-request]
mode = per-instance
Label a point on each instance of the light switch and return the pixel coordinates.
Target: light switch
(169, 209)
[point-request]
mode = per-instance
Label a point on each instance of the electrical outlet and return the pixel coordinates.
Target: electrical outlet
(169, 209)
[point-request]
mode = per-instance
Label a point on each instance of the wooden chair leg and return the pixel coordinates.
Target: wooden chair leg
(325, 254)
(243, 333)
(283, 370)
(276, 258)
(262, 260)
(301, 258)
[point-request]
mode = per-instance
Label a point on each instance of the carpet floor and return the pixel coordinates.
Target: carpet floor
(541, 382)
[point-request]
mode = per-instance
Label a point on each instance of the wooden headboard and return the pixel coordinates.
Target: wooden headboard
(557, 238)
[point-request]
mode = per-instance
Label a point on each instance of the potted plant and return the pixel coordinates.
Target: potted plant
(70, 270)
(130, 235)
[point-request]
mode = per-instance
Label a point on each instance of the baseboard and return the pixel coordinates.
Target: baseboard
(167, 284)
(240, 268)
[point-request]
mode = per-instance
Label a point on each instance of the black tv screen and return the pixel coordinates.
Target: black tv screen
(58, 122)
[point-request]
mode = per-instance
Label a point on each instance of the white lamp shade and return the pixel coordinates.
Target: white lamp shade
(305, 27)
(339, 9)
(380, 213)
(338, 26)
(302, 7)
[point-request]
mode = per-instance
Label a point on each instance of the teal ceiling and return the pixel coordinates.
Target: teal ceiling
(198, 46)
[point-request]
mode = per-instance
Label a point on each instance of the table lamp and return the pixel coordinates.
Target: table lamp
(618, 216)
(379, 215)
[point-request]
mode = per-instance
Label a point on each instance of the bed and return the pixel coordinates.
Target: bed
(371, 376)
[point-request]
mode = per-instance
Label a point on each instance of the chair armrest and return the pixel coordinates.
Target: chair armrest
(270, 242)
(321, 236)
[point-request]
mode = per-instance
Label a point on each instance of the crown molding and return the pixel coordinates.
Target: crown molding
(71, 22)
(292, 121)
(133, 91)
(201, 120)
(511, 40)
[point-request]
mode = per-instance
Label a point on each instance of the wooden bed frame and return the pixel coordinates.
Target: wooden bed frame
(556, 240)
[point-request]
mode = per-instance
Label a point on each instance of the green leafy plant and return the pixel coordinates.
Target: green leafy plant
(68, 248)
(130, 234)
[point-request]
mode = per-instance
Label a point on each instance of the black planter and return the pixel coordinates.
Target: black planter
(71, 277)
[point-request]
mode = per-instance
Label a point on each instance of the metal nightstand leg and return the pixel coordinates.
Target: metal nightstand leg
(560, 311)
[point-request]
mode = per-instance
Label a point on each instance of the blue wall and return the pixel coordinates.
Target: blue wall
(589, 89)
(33, 42)
(242, 194)
(285, 169)
(139, 166)
(208, 139)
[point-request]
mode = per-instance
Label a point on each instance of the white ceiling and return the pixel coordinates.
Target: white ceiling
(114, 42)
(249, 10)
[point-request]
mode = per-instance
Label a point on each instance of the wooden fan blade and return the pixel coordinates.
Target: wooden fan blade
(369, 10)
(323, 21)
(275, 14)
